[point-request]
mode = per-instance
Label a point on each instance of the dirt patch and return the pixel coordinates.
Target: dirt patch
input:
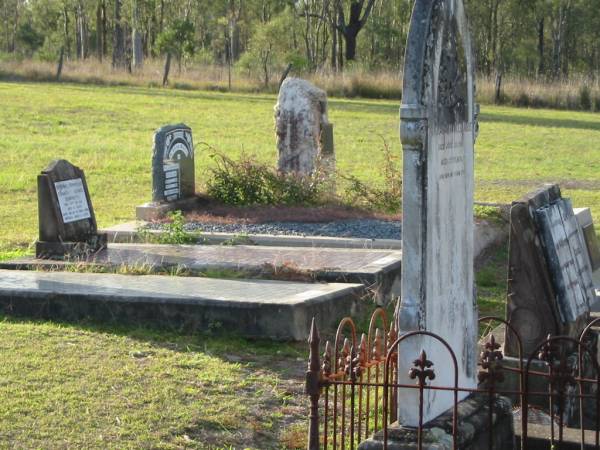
(212, 212)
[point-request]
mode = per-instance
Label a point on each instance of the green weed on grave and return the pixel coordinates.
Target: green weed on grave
(248, 182)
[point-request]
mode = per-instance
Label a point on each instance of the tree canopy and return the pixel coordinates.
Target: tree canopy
(546, 38)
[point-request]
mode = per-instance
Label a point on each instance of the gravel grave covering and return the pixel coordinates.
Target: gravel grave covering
(354, 228)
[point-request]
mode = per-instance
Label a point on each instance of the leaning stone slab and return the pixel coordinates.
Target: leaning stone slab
(377, 270)
(550, 284)
(260, 309)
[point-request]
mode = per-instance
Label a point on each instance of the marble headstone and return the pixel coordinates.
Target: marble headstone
(438, 131)
(173, 173)
(549, 275)
(304, 134)
(67, 224)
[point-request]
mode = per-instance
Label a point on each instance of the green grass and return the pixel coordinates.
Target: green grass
(91, 386)
(107, 131)
(95, 387)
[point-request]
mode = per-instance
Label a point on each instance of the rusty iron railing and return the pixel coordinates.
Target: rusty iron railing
(353, 385)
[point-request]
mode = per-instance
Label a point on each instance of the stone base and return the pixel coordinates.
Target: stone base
(473, 429)
(71, 250)
(155, 211)
(249, 308)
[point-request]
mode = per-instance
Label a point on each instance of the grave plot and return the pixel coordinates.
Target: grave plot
(377, 270)
(259, 308)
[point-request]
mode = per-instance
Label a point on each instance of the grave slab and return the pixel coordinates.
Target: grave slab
(265, 309)
(379, 270)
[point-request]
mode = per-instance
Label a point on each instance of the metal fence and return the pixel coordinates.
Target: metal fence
(353, 386)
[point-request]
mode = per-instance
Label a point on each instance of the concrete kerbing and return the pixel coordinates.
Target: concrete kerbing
(257, 309)
(486, 234)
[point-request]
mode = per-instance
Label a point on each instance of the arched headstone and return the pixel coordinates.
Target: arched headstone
(438, 130)
(173, 174)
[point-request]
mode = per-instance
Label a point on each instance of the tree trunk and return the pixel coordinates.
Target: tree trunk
(356, 23)
(540, 31)
(350, 38)
(60, 63)
(78, 43)
(136, 39)
(119, 58)
(66, 28)
(99, 32)
(162, 16)
(167, 69)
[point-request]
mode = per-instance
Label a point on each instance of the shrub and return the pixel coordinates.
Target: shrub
(585, 98)
(247, 182)
(522, 100)
(175, 232)
(385, 198)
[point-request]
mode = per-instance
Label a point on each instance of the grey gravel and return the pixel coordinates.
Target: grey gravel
(355, 228)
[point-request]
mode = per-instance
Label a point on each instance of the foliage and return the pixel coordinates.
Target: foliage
(539, 39)
(29, 38)
(174, 231)
(516, 151)
(490, 213)
(386, 198)
(177, 39)
(247, 182)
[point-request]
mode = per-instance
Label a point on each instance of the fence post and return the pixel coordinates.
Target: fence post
(312, 386)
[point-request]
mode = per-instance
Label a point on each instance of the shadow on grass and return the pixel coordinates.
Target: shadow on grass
(543, 122)
(228, 347)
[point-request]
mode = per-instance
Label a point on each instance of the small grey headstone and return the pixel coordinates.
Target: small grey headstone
(67, 223)
(173, 172)
(438, 131)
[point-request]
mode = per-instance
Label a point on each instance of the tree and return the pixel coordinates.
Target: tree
(28, 38)
(359, 14)
(177, 39)
(119, 57)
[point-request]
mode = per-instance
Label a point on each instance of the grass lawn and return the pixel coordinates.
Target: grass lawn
(94, 386)
(107, 131)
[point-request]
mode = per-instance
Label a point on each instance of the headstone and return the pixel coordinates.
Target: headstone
(549, 275)
(586, 225)
(173, 173)
(304, 134)
(67, 223)
(438, 131)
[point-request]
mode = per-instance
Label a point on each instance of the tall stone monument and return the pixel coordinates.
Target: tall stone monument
(438, 130)
(304, 134)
